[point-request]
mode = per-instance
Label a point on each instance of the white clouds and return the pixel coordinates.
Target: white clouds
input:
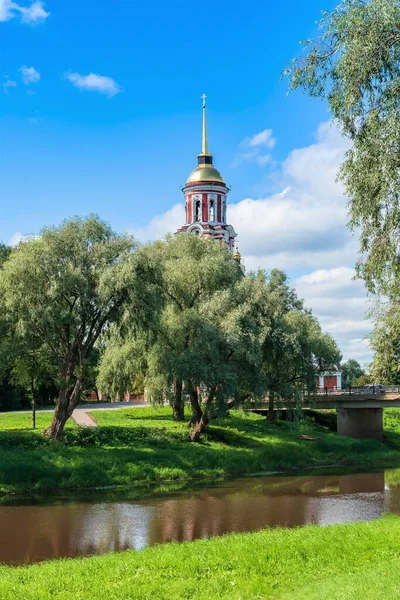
(32, 14)
(35, 13)
(16, 238)
(160, 225)
(324, 281)
(305, 224)
(29, 75)
(94, 83)
(7, 84)
(359, 349)
(289, 222)
(263, 159)
(6, 10)
(263, 138)
(314, 169)
(253, 148)
(339, 301)
(304, 229)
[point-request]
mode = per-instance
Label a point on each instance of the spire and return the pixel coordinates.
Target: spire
(204, 158)
(204, 140)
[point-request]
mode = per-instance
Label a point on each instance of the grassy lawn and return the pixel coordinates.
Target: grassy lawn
(144, 446)
(346, 562)
(23, 421)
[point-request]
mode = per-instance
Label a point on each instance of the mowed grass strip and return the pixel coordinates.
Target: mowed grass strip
(22, 421)
(143, 446)
(347, 562)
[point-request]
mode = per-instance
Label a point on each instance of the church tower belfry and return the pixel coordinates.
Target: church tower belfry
(206, 196)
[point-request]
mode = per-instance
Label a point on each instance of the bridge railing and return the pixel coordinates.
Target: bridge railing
(372, 389)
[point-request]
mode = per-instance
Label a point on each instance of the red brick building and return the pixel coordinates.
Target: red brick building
(330, 380)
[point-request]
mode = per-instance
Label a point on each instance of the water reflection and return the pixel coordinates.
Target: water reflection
(31, 533)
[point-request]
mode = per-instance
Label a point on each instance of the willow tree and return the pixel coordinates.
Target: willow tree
(355, 66)
(229, 370)
(294, 348)
(66, 287)
(385, 342)
(188, 271)
(193, 268)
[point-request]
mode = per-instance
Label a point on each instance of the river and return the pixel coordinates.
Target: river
(44, 527)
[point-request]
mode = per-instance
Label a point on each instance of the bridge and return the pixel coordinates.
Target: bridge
(359, 413)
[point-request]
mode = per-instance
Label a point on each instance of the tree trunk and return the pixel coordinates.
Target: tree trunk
(271, 411)
(64, 408)
(33, 403)
(199, 427)
(197, 413)
(61, 415)
(204, 419)
(178, 408)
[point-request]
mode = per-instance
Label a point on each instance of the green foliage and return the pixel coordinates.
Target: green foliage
(232, 337)
(340, 562)
(355, 65)
(61, 291)
(12, 397)
(5, 252)
(187, 343)
(294, 348)
(351, 371)
(361, 381)
(385, 342)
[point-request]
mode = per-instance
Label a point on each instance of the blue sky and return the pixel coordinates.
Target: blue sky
(101, 112)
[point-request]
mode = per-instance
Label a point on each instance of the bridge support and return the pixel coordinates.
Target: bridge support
(360, 422)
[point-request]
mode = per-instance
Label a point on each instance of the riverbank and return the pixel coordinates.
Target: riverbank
(340, 562)
(144, 446)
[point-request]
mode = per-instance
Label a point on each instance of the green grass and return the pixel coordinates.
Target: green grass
(340, 562)
(139, 446)
(23, 421)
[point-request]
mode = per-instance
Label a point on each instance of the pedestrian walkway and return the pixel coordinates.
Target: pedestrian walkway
(82, 419)
(80, 416)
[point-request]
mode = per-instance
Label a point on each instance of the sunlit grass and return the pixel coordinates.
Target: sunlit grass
(346, 562)
(139, 446)
(23, 421)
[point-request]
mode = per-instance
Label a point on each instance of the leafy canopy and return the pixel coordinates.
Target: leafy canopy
(67, 284)
(355, 66)
(351, 371)
(188, 271)
(385, 342)
(62, 290)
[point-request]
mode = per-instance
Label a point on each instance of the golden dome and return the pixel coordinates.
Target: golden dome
(204, 172)
(237, 256)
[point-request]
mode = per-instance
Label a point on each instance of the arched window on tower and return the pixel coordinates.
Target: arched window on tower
(212, 210)
(197, 210)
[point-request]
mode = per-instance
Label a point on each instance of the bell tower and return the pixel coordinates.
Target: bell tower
(206, 196)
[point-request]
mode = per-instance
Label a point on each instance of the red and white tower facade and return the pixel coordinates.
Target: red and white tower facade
(206, 197)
